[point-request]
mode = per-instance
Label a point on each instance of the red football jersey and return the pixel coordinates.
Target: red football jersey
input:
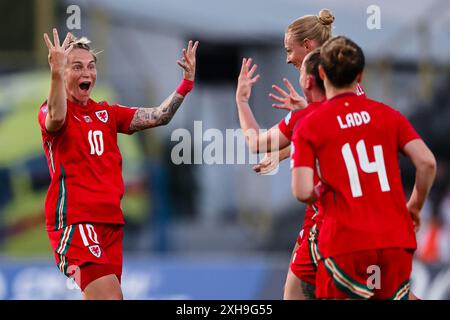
(288, 123)
(85, 164)
(286, 126)
(356, 142)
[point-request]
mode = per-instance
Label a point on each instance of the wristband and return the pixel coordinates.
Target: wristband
(185, 87)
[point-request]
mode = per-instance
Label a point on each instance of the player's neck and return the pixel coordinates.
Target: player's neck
(76, 101)
(332, 92)
(318, 96)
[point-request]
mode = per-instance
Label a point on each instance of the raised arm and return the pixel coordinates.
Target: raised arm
(145, 118)
(57, 59)
(271, 140)
(425, 164)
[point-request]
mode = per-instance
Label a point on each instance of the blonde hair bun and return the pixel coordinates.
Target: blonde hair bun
(317, 28)
(82, 41)
(326, 17)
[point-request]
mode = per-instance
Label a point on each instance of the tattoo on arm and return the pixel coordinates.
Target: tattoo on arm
(145, 118)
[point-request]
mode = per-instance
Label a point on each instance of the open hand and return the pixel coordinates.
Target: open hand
(57, 54)
(267, 164)
(290, 101)
(188, 61)
(246, 80)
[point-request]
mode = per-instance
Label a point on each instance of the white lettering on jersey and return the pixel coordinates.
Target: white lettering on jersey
(378, 166)
(354, 119)
(96, 142)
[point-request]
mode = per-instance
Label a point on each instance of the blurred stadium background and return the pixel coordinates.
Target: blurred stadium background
(207, 231)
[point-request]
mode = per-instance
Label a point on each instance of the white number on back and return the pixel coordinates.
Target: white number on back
(376, 166)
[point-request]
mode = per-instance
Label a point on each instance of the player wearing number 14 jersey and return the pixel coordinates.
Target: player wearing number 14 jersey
(366, 223)
(83, 215)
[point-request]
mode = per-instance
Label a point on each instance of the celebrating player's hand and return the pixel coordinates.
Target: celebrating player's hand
(268, 163)
(188, 62)
(57, 54)
(290, 101)
(246, 80)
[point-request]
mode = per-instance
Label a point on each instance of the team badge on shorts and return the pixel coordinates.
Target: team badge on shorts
(95, 250)
(102, 115)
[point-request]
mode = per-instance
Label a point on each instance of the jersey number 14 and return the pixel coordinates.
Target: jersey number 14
(376, 166)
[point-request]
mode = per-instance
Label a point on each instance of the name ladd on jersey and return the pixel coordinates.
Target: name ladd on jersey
(354, 119)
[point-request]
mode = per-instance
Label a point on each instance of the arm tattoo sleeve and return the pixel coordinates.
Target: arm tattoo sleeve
(145, 118)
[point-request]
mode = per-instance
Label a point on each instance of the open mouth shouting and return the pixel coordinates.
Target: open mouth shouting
(85, 86)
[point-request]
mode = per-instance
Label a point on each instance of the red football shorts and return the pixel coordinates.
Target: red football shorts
(86, 252)
(305, 259)
(369, 274)
(300, 237)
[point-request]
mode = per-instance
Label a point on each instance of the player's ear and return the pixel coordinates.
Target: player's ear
(307, 44)
(322, 74)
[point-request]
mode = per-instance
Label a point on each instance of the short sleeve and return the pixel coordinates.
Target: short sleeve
(43, 111)
(42, 115)
(123, 116)
(406, 132)
(301, 149)
(285, 126)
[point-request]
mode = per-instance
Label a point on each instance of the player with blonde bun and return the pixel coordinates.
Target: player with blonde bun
(302, 37)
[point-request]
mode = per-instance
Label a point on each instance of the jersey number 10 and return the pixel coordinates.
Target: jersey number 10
(96, 142)
(377, 166)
